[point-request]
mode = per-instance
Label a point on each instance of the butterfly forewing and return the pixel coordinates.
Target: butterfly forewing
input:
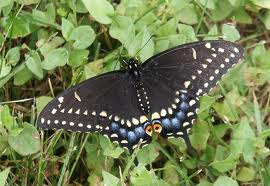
(194, 67)
(105, 104)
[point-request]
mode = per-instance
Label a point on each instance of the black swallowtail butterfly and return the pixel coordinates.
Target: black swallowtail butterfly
(160, 95)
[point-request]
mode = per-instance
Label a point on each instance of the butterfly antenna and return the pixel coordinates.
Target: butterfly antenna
(144, 44)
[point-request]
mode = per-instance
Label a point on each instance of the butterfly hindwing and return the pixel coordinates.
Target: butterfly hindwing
(105, 104)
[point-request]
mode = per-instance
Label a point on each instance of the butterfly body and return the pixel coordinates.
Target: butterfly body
(160, 95)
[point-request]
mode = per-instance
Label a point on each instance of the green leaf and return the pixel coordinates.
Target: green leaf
(123, 29)
(145, 21)
(246, 174)
(27, 2)
(206, 103)
(262, 3)
(48, 17)
(223, 9)
(77, 6)
(170, 174)
(22, 77)
(13, 56)
(27, 142)
(243, 141)
(22, 25)
(109, 179)
(204, 183)
(226, 164)
(33, 63)
(5, 69)
(169, 28)
(94, 68)
(66, 27)
(224, 180)
(242, 16)
(4, 3)
(142, 40)
(6, 120)
(4, 176)
(211, 4)
(77, 57)
(212, 34)
(200, 135)
(230, 33)
(48, 46)
(101, 10)
(55, 58)
(147, 155)
(266, 20)
(141, 176)
(83, 36)
(188, 15)
(41, 102)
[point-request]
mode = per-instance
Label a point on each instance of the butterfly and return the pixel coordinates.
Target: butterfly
(160, 95)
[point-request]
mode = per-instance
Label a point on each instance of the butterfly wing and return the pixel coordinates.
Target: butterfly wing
(105, 104)
(177, 77)
(194, 67)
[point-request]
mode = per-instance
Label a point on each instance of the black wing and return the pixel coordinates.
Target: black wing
(106, 104)
(175, 78)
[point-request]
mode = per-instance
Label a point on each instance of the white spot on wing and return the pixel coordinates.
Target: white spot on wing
(54, 111)
(103, 113)
(61, 99)
(163, 112)
(187, 83)
(42, 120)
(236, 50)
(85, 112)
(128, 123)
(227, 60)
(70, 111)
(155, 115)
(192, 102)
(221, 50)
(185, 124)
(208, 45)
(194, 53)
(78, 111)
(209, 60)
(135, 121)
(80, 125)
(204, 65)
(77, 96)
(143, 119)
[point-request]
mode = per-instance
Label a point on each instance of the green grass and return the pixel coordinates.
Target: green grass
(48, 46)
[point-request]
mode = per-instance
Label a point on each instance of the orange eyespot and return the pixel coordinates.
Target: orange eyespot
(157, 127)
(149, 130)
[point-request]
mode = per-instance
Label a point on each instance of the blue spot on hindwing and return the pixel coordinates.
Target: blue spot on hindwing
(139, 131)
(181, 116)
(131, 136)
(114, 127)
(175, 123)
(123, 132)
(184, 106)
(166, 123)
(183, 97)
